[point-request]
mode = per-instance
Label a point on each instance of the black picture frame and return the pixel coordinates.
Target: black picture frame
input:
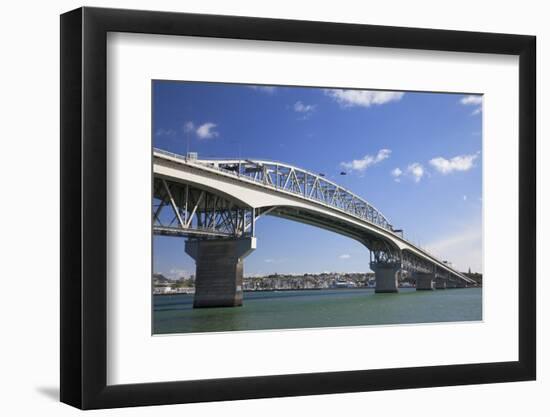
(84, 207)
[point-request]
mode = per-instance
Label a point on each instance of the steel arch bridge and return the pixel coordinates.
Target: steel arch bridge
(215, 201)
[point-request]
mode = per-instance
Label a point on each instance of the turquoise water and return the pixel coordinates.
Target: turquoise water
(317, 308)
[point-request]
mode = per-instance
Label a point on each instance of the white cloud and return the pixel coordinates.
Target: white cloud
(367, 161)
(345, 256)
(476, 111)
(176, 273)
(263, 88)
(207, 131)
(165, 132)
(472, 100)
(304, 110)
(363, 98)
(396, 174)
(188, 127)
(274, 261)
(300, 107)
(416, 170)
(465, 197)
(458, 163)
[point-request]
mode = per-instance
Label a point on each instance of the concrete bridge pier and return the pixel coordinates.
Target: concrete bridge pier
(219, 270)
(440, 283)
(424, 281)
(386, 276)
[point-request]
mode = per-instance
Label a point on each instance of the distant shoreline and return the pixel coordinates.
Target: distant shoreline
(306, 289)
(311, 289)
(283, 289)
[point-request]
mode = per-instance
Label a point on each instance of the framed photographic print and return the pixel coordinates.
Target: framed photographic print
(293, 207)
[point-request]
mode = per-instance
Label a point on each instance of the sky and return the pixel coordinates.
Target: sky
(415, 156)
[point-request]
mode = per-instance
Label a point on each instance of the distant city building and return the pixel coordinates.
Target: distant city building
(287, 282)
(307, 281)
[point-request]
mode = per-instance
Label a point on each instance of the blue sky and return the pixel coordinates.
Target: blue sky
(415, 156)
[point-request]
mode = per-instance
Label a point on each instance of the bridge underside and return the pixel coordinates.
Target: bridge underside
(220, 232)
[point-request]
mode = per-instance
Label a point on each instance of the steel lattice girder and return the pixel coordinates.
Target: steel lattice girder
(308, 185)
(180, 209)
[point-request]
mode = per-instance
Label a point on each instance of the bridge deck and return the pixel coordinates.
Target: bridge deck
(287, 179)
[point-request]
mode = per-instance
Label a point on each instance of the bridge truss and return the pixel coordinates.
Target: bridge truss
(184, 210)
(308, 185)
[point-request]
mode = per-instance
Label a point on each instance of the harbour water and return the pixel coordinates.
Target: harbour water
(317, 308)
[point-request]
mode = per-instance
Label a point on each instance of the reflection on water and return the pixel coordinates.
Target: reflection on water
(317, 308)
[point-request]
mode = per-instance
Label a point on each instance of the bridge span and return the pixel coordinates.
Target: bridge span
(216, 203)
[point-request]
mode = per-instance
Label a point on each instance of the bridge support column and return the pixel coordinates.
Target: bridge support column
(386, 276)
(440, 283)
(424, 281)
(219, 270)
